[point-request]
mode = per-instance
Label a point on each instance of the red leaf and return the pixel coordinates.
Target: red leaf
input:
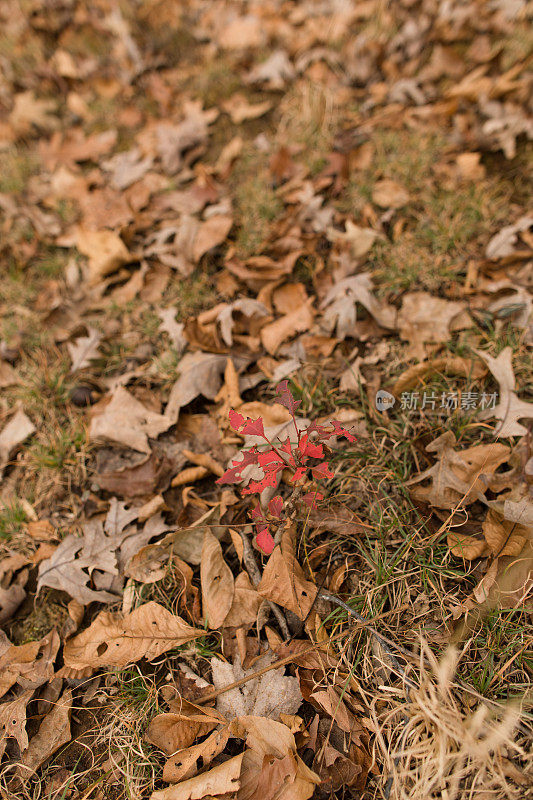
(286, 398)
(312, 498)
(232, 475)
(269, 457)
(322, 471)
(340, 431)
(309, 449)
(275, 506)
(254, 427)
(256, 487)
(264, 541)
(257, 513)
(236, 420)
(300, 472)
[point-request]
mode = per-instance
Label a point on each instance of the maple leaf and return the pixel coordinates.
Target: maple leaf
(286, 397)
(264, 541)
(275, 506)
(322, 471)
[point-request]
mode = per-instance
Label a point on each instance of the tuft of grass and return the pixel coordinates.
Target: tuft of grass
(13, 517)
(257, 204)
(18, 165)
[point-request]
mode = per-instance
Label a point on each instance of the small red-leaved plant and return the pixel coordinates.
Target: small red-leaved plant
(302, 458)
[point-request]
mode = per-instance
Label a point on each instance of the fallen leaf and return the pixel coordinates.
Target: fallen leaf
(105, 250)
(173, 328)
(283, 583)
(239, 109)
(359, 240)
(458, 477)
(220, 780)
(340, 306)
(245, 605)
(450, 365)
(28, 665)
(389, 194)
(274, 72)
(84, 349)
(510, 408)
(199, 373)
(211, 233)
(424, 318)
(504, 242)
(114, 640)
(286, 327)
(13, 434)
(29, 111)
(53, 733)
(124, 420)
(266, 696)
(217, 582)
(184, 764)
(176, 730)
(13, 721)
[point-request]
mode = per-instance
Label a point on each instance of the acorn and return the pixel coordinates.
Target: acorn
(83, 395)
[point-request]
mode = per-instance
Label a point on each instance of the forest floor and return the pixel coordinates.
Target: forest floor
(200, 201)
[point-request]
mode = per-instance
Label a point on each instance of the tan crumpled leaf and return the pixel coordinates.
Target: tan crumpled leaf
(199, 373)
(28, 665)
(174, 329)
(286, 327)
(173, 140)
(13, 721)
(30, 110)
(266, 696)
(340, 306)
(105, 250)
(510, 408)
(176, 730)
(211, 233)
(450, 365)
(283, 583)
(244, 305)
(184, 764)
(239, 109)
(424, 318)
(114, 640)
(246, 603)
(359, 240)
(124, 420)
(84, 349)
(222, 779)
(53, 733)
(274, 72)
(389, 194)
(77, 558)
(504, 242)
(458, 476)
(13, 434)
(217, 582)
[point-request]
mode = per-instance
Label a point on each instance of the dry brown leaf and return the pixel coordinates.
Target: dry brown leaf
(184, 764)
(199, 373)
(211, 233)
(424, 318)
(454, 365)
(274, 72)
(13, 721)
(114, 640)
(458, 477)
(13, 434)
(504, 242)
(217, 582)
(283, 583)
(239, 109)
(105, 250)
(359, 240)
(28, 111)
(84, 349)
(389, 194)
(176, 730)
(266, 696)
(340, 306)
(8, 376)
(53, 733)
(173, 328)
(246, 603)
(220, 780)
(510, 408)
(28, 665)
(286, 327)
(124, 420)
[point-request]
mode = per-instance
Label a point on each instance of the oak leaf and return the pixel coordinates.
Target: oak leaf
(217, 582)
(510, 408)
(124, 420)
(115, 640)
(84, 349)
